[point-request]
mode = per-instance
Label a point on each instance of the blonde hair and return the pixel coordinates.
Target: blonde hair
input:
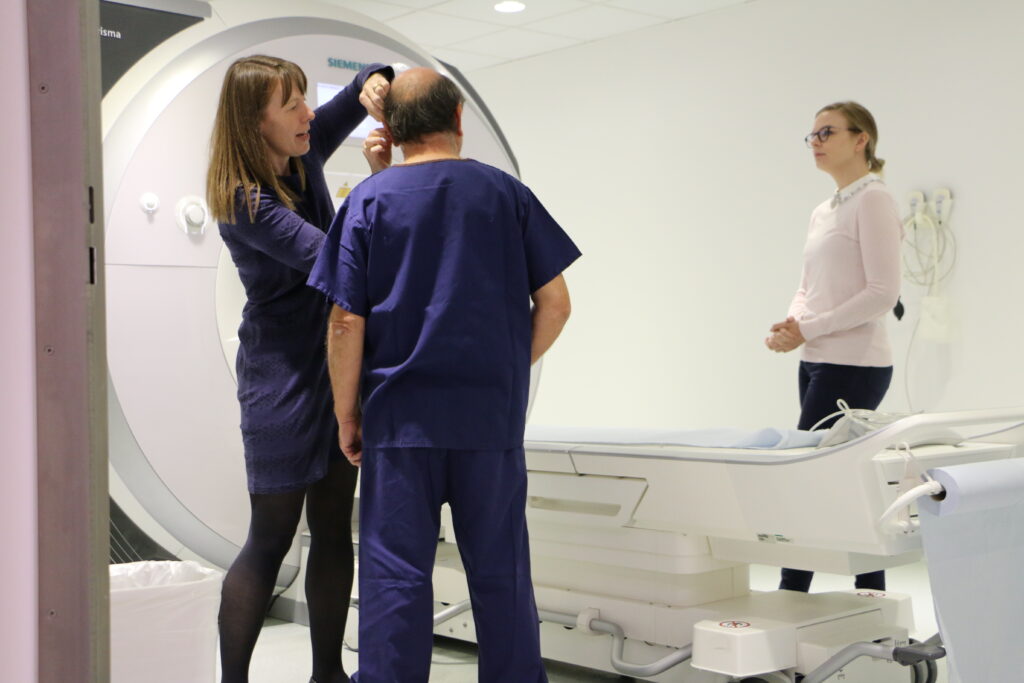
(861, 121)
(239, 156)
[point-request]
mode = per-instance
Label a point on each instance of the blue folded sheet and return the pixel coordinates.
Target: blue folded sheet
(726, 437)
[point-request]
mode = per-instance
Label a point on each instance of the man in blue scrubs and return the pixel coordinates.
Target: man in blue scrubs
(432, 265)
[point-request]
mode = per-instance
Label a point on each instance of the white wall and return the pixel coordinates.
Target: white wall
(673, 155)
(18, 624)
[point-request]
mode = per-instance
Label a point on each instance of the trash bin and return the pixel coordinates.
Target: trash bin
(163, 622)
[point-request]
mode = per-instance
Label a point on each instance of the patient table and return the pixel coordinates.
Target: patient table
(642, 550)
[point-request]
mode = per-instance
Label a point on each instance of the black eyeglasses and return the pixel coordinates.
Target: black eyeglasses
(825, 132)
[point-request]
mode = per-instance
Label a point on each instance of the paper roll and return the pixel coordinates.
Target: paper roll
(977, 486)
(974, 544)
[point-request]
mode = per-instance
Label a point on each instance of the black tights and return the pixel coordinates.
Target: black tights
(249, 583)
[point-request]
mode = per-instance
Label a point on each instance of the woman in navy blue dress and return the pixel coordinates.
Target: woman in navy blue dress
(266, 188)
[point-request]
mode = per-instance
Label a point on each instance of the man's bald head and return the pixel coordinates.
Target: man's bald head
(420, 102)
(412, 83)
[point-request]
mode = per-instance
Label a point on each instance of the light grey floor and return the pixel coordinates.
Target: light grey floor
(282, 654)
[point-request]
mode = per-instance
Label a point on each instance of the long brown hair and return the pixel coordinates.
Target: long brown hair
(861, 121)
(238, 152)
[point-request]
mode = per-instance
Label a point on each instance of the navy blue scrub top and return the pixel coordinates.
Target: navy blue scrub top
(441, 258)
(283, 388)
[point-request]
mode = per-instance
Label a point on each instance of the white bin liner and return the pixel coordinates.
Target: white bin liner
(163, 622)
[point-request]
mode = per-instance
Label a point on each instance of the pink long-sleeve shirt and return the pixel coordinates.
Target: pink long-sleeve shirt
(851, 276)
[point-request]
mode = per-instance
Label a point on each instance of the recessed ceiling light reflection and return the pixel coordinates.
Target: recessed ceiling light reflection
(509, 6)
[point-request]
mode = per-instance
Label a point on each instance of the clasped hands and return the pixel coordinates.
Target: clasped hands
(785, 336)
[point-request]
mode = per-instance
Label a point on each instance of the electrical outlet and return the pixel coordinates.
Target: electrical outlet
(942, 204)
(916, 201)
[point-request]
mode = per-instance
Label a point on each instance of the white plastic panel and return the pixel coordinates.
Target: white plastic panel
(175, 389)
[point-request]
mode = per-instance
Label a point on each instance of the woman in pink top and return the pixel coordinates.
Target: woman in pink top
(850, 280)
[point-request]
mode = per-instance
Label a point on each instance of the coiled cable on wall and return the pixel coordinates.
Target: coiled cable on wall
(929, 256)
(929, 253)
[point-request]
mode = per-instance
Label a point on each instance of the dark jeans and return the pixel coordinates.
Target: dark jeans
(821, 385)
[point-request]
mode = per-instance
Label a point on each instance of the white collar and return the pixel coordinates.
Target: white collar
(844, 193)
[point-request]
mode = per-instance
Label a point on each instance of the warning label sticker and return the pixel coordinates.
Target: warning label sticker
(734, 624)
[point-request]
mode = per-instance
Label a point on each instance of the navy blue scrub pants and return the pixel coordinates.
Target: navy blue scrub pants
(400, 499)
(821, 385)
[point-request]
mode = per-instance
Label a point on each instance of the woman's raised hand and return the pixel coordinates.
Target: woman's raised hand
(372, 96)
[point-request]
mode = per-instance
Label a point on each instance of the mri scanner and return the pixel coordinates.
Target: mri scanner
(174, 299)
(640, 549)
